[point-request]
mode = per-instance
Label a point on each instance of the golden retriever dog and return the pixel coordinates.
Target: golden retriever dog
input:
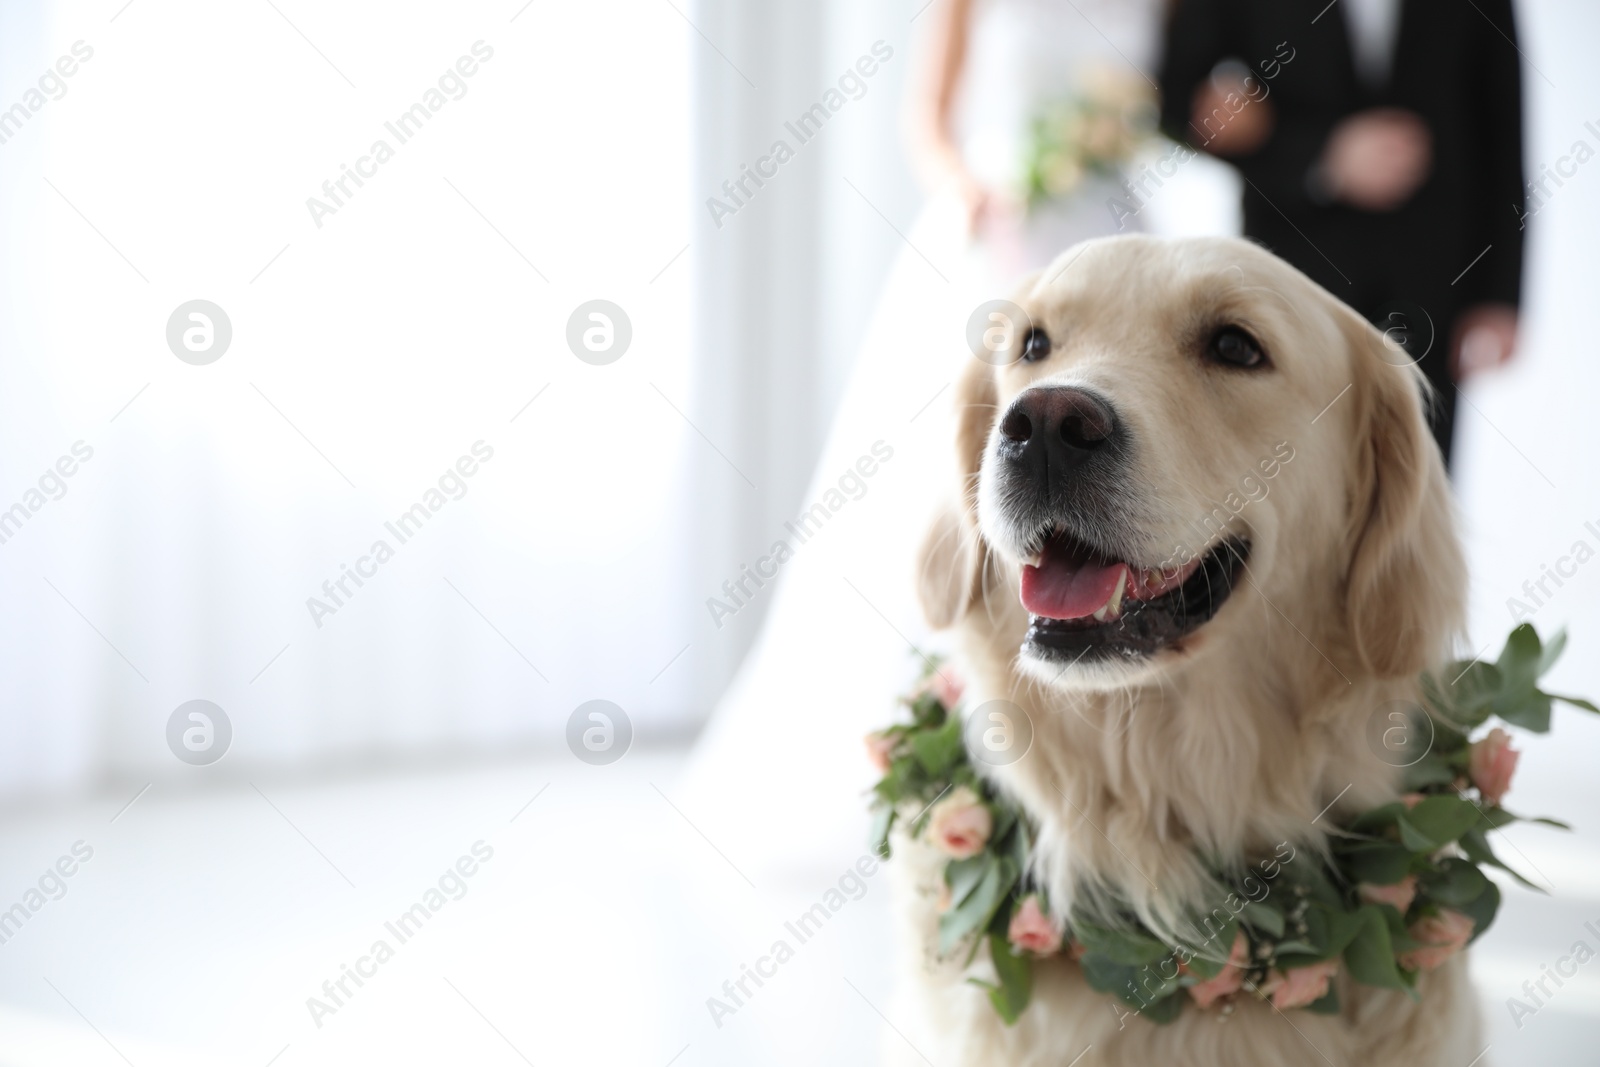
(1202, 534)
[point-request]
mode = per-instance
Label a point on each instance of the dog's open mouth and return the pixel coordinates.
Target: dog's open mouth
(1086, 605)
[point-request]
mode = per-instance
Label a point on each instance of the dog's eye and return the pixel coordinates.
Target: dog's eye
(1035, 346)
(1236, 348)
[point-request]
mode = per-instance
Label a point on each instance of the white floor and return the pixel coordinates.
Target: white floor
(603, 921)
(596, 932)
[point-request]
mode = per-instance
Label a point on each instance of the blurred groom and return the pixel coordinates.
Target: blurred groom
(1381, 146)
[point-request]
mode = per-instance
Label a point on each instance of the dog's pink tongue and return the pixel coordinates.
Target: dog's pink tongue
(1065, 588)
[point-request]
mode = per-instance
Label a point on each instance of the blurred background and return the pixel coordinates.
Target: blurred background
(411, 342)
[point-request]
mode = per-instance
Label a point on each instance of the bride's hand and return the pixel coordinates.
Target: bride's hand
(976, 198)
(985, 205)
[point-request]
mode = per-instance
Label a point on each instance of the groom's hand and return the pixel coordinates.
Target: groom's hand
(1485, 338)
(1376, 159)
(1229, 119)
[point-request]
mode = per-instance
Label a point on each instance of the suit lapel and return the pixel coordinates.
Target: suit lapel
(1341, 56)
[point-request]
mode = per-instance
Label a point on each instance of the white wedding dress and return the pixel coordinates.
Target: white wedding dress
(777, 781)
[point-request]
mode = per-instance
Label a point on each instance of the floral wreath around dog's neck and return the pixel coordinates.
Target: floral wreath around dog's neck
(1404, 890)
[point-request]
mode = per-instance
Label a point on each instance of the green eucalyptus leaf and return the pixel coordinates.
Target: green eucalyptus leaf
(1482, 909)
(1004, 819)
(1131, 947)
(938, 750)
(1164, 1010)
(1439, 820)
(1456, 883)
(1519, 701)
(1433, 691)
(1402, 941)
(1519, 660)
(1415, 840)
(1000, 999)
(1450, 740)
(891, 788)
(1021, 845)
(1106, 975)
(1313, 877)
(1529, 710)
(1432, 769)
(1475, 843)
(1315, 933)
(1263, 917)
(1328, 1004)
(1376, 862)
(1140, 986)
(1496, 817)
(882, 797)
(1552, 651)
(926, 712)
(1370, 955)
(1207, 958)
(1344, 927)
(1015, 971)
(1000, 920)
(1396, 921)
(1577, 702)
(1369, 822)
(878, 835)
(1204, 967)
(1467, 689)
(963, 876)
(1295, 949)
(974, 913)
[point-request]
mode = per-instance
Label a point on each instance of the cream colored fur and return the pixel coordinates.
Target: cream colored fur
(1238, 737)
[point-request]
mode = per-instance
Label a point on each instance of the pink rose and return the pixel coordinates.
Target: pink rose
(1229, 979)
(1399, 896)
(1032, 930)
(946, 686)
(880, 750)
(960, 824)
(1442, 936)
(1299, 986)
(1493, 763)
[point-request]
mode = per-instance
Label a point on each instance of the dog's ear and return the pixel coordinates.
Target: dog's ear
(1405, 579)
(954, 556)
(951, 561)
(948, 568)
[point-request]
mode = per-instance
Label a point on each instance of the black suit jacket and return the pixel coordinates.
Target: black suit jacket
(1455, 64)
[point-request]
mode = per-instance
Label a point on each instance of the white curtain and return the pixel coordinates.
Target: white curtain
(785, 285)
(422, 320)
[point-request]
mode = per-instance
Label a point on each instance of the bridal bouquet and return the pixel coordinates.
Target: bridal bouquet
(1404, 889)
(1095, 132)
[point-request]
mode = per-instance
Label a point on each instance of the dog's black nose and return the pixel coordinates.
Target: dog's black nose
(1056, 427)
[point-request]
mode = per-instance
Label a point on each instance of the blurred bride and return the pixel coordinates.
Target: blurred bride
(1026, 114)
(1023, 117)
